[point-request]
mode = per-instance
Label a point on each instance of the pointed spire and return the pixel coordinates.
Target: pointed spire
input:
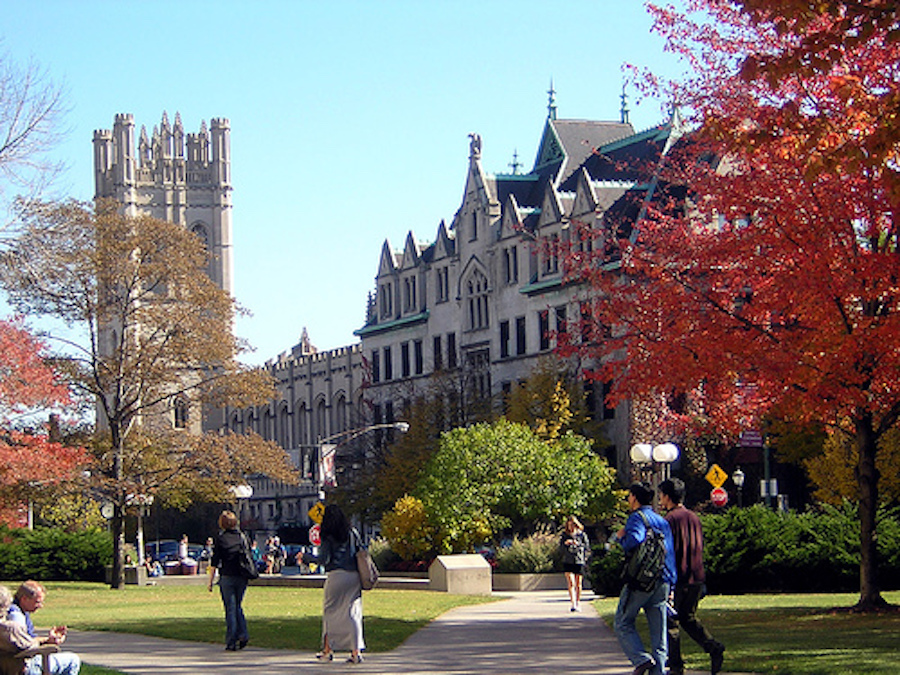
(551, 103)
(624, 112)
(515, 165)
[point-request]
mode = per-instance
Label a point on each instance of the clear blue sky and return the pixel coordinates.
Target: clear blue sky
(349, 119)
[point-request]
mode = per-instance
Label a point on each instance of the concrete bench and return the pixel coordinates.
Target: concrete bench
(14, 664)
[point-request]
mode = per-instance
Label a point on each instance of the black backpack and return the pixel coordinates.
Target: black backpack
(644, 565)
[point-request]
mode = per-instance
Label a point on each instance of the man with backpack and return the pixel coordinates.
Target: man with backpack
(649, 574)
(687, 535)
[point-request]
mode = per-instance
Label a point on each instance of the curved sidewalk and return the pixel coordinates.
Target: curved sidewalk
(531, 632)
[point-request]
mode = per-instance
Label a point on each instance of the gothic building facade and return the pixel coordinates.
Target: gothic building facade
(482, 303)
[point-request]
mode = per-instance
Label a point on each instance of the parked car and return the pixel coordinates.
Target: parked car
(166, 550)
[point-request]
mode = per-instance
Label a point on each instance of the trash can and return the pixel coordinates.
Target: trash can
(173, 567)
(189, 567)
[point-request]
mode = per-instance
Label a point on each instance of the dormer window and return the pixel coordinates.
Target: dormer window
(386, 300)
(409, 295)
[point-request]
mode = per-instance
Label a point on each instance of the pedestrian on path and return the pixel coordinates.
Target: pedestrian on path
(652, 601)
(342, 617)
(229, 547)
(687, 536)
(575, 547)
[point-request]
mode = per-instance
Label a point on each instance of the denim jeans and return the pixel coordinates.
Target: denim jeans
(62, 663)
(232, 590)
(654, 605)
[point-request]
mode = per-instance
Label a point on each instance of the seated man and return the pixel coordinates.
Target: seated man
(30, 598)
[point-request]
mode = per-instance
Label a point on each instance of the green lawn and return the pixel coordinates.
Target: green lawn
(784, 634)
(279, 618)
(793, 634)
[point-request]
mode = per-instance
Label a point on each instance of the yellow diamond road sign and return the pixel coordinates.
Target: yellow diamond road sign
(716, 476)
(316, 512)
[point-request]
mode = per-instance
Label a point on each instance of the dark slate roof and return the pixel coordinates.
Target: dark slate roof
(627, 159)
(581, 138)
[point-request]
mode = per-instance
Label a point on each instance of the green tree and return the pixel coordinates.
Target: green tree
(488, 478)
(150, 334)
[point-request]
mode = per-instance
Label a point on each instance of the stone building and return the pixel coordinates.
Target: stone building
(177, 177)
(482, 302)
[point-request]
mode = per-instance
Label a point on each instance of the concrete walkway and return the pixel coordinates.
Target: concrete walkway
(530, 632)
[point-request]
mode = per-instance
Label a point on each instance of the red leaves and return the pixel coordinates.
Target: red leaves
(26, 381)
(28, 386)
(780, 274)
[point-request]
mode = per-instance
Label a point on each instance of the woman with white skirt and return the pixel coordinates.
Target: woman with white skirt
(342, 616)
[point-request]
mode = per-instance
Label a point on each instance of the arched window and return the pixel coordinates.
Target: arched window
(301, 420)
(180, 413)
(477, 300)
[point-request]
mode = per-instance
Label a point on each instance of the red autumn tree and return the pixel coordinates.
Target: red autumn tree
(771, 283)
(29, 389)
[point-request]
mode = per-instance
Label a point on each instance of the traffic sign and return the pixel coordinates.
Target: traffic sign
(316, 512)
(716, 476)
(719, 497)
(315, 535)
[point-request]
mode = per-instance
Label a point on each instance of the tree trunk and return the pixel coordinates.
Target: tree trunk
(867, 477)
(118, 521)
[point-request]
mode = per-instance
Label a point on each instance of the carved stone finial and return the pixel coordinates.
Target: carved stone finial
(474, 146)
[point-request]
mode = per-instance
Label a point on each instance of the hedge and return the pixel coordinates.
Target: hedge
(50, 554)
(759, 550)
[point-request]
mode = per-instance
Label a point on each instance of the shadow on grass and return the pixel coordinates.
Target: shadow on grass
(302, 633)
(795, 640)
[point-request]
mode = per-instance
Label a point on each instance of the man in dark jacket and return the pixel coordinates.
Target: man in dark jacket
(687, 535)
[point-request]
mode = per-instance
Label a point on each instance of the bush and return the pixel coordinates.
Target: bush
(604, 571)
(51, 554)
(407, 530)
(756, 549)
(535, 554)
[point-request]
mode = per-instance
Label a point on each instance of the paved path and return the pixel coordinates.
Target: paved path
(527, 634)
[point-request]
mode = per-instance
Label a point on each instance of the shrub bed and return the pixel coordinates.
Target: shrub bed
(50, 554)
(757, 549)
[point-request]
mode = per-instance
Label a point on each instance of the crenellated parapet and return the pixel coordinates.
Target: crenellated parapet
(167, 157)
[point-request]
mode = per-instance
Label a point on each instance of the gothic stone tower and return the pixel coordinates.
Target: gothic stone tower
(184, 179)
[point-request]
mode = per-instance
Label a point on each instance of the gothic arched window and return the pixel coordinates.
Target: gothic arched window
(477, 300)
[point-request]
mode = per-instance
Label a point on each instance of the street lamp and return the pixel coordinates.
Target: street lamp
(659, 457)
(140, 501)
(328, 451)
(241, 492)
(738, 478)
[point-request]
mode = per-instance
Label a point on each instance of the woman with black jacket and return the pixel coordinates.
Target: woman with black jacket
(228, 548)
(342, 618)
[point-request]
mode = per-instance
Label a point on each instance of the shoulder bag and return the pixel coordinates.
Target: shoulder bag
(249, 570)
(368, 572)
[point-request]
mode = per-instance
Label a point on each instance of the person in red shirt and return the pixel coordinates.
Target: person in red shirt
(690, 586)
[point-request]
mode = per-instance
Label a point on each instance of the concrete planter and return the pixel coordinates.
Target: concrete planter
(552, 581)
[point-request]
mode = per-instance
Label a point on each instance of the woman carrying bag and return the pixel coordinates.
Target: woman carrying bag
(230, 550)
(575, 547)
(342, 618)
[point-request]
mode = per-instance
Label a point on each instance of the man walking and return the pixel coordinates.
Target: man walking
(687, 535)
(653, 601)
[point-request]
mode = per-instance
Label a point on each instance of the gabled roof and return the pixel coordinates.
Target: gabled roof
(566, 144)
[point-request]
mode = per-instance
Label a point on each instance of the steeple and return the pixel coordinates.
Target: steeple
(551, 103)
(515, 164)
(623, 111)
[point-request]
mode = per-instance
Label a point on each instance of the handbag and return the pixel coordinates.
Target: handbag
(249, 570)
(368, 571)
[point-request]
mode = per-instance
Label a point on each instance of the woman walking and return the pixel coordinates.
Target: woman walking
(342, 603)
(229, 545)
(574, 544)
